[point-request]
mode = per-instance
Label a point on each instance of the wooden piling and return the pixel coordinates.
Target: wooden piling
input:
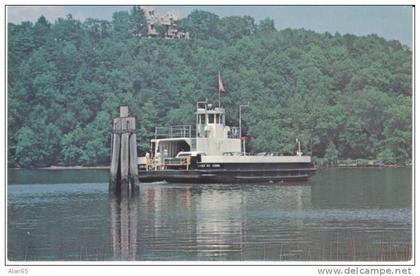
(124, 162)
(115, 156)
(123, 167)
(114, 162)
(133, 162)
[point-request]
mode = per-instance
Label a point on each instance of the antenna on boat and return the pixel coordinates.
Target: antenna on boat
(240, 125)
(299, 152)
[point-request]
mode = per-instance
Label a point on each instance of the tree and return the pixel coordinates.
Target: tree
(98, 133)
(387, 157)
(42, 32)
(122, 25)
(72, 147)
(138, 21)
(331, 154)
(97, 29)
(235, 27)
(27, 148)
(200, 24)
(50, 144)
(266, 25)
(68, 29)
(146, 126)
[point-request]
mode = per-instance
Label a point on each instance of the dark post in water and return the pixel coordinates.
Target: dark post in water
(123, 154)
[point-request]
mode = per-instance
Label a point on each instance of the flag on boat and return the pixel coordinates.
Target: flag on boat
(221, 87)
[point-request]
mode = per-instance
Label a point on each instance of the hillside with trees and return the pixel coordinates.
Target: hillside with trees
(343, 96)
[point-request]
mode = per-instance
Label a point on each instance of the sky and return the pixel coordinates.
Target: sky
(390, 22)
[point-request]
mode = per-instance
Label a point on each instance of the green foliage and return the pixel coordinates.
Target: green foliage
(72, 146)
(341, 95)
(27, 153)
(331, 154)
(387, 157)
(147, 116)
(235, 27)
(200, 24)
(266, 26)
(138, 21)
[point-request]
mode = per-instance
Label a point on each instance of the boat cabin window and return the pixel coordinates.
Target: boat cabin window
(211, 118)
(202, 119)
(217, 119)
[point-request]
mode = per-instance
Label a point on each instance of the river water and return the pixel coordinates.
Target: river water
(339, 215)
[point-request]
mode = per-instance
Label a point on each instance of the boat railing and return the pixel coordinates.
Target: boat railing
(148, 163)
(180, 131)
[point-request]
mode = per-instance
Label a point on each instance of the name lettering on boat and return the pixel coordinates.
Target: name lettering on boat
(209, 165)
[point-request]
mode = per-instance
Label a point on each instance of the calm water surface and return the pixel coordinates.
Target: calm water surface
(339, 215)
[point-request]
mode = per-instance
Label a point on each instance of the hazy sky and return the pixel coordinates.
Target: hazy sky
(390, 22)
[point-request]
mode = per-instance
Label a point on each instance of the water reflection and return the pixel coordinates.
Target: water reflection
(124, 217)
(212, 222)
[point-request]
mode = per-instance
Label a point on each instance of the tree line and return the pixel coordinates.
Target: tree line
(343, 96)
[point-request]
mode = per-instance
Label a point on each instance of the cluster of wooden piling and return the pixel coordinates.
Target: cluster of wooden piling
(124, 171)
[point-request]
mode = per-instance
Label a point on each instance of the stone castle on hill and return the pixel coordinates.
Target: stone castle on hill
(167, 21)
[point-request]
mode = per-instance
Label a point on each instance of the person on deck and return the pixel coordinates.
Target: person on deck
(147, 157)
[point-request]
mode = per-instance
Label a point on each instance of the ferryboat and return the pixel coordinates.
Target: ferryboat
(214, 153)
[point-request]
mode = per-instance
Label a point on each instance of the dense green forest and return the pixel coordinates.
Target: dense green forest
(343, 96)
